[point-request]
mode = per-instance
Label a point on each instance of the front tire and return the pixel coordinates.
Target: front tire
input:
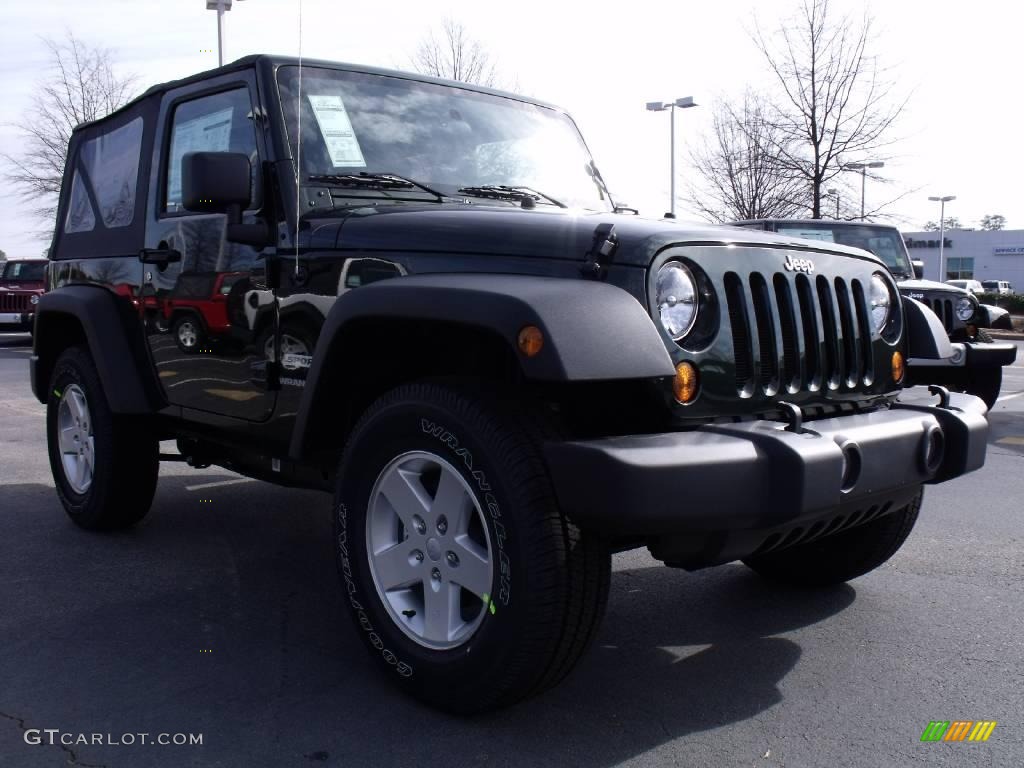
(842, 556)
(104, 466)
(462, 576)
(188, 333)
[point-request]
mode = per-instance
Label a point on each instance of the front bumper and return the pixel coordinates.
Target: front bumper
(759, 477)
(16, 321)
(969, 355)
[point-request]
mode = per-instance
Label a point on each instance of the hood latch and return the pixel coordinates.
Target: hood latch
(601, 250)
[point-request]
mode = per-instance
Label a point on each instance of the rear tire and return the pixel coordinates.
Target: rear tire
(548, 580)
(104, 466)
(842, 556)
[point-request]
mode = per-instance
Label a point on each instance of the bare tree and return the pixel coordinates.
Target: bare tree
(455, 55)
(950, 222)
(737, 168)
(81, 86)
(836, 103)
(993, 222)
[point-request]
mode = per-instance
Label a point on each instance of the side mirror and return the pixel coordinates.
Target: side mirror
(221, 182)
(918, 268)
(215, 182)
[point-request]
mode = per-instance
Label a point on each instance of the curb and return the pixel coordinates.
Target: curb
(1005, 335)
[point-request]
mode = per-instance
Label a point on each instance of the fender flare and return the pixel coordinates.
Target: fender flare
(991, 316)
(926, 336)
(592, 331)
(116, 342)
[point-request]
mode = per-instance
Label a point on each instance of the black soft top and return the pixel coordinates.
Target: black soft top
(275, 61)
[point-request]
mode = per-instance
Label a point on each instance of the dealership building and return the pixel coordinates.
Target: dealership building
(972, 254)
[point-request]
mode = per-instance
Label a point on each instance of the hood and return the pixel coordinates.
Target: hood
(930, 286)
(512, 231)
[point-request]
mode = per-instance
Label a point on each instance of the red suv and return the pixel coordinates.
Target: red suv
(21, 284)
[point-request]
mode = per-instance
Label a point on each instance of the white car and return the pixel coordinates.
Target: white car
(974, 286)
(1001, 287)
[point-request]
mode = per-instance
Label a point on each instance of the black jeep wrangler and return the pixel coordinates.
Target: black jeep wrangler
(976, 366)
(436, 313)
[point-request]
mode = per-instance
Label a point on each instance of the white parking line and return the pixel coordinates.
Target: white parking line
(1009, 397)
(218, 483)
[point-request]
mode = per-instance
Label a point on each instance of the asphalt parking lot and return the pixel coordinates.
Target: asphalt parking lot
(221, 615)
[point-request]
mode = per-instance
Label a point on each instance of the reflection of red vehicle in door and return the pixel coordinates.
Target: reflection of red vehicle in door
(197, 310)
(21, 284)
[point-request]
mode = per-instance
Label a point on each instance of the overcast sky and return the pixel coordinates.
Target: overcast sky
(960, 64)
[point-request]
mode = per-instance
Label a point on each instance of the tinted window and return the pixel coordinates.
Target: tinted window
(80, 217)
(218, 123)
(884, 242)
(25, 270)
(111, 164)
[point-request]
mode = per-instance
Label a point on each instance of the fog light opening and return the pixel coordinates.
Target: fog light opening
(685, 383)
(852, 463)
(933, 449)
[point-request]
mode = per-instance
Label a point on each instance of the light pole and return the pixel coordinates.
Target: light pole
(863, 168)
(942, 231)
(659, 106)
(835, 193)
(219, 6)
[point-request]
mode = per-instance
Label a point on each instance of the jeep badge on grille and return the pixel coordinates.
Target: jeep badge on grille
(798, 265)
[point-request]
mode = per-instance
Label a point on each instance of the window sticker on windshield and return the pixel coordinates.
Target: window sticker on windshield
(336, 128)
(809, 234)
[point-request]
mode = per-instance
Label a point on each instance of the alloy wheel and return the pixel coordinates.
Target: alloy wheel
(75, 439)
(429, 550)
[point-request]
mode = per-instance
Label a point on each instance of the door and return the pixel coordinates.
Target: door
(206, 312)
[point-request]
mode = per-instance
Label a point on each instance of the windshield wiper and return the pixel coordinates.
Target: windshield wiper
(526, 196)
(549, 198)
(377, 181)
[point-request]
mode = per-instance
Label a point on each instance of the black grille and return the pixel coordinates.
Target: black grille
(819, 339)
(944, 309)
(14, 302)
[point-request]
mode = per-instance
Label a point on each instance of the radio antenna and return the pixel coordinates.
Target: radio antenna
(298, 149)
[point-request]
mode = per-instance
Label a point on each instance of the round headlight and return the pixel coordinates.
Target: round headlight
(33, 299)
(881, 302)
(965, 308)
(676, 297)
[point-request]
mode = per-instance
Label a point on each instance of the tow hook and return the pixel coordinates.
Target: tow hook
(943, 394)
(794, 416)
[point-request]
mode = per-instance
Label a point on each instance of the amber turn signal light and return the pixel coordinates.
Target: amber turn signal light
(898, 369)
(684, 385)
(531, 340)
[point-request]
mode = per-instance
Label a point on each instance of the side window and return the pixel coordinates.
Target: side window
(111, 162)
(80, 218)
(221, 122)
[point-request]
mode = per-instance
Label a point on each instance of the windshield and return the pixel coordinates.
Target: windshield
(25, 271)
(444, 137)
(885, 242)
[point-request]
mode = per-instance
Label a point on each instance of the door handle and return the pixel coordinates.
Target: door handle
(159, 256)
